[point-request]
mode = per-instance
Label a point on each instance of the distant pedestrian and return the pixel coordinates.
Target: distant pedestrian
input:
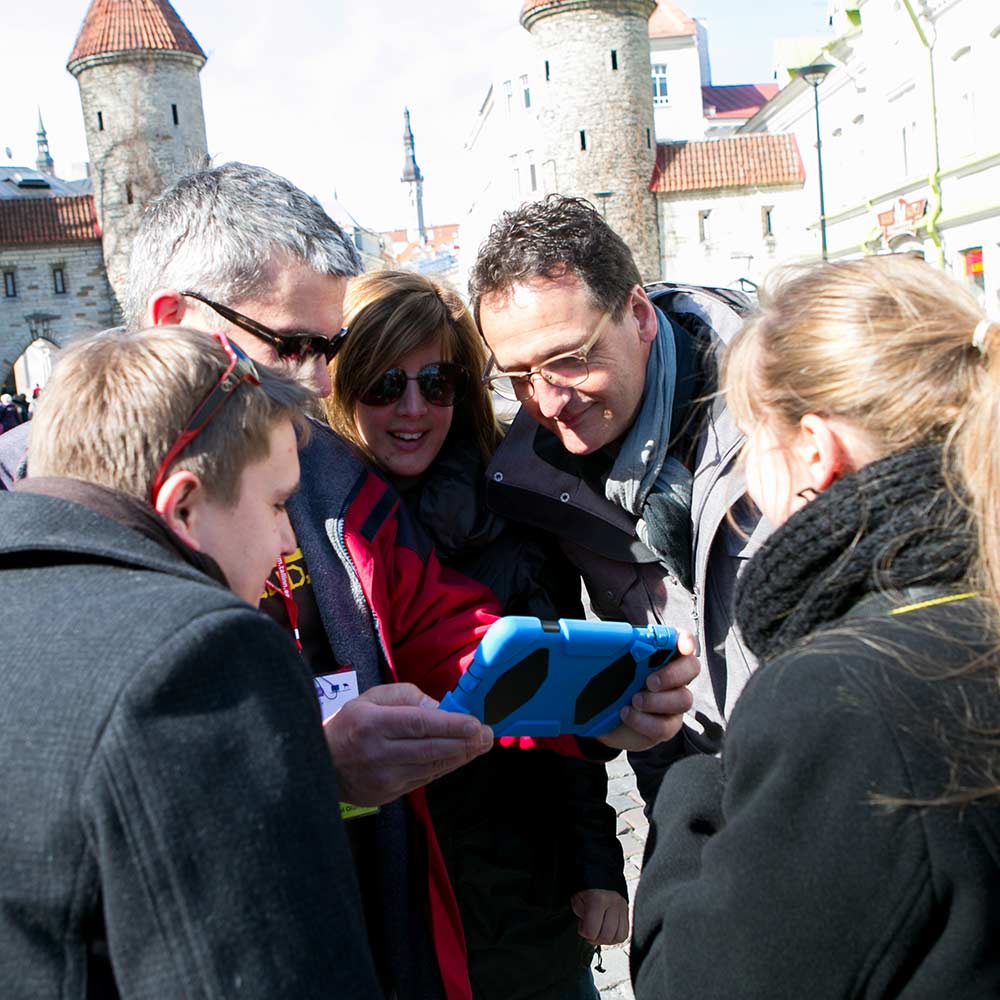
(23, 407)
(36, 391)
(10, 415)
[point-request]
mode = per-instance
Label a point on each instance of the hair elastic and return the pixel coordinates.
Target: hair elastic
(979, 335)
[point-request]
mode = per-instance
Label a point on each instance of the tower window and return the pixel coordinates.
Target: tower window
(173, 111)
(508, 95)
(649, 140)
(100, 122)
(9, 284)
(547, 76)
(58, 281)
(660, 83)
(526, 91)
(614, 59)
(128, 192)
(534, 177)
(766, 221)
(583, 140)
(704, 231)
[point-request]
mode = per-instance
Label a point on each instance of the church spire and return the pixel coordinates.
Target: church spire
(415, 179)
(43, 161)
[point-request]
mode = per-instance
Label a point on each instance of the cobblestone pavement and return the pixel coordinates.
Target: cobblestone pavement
(614, 983)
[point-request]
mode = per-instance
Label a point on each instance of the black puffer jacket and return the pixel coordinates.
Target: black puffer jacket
(821, 857)
(521, 831)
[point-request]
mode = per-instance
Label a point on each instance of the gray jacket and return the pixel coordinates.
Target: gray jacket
(624, 579)
(169, 804)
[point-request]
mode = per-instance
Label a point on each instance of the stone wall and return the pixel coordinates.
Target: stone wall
(136, 147)
(37, 310)
(598, 96)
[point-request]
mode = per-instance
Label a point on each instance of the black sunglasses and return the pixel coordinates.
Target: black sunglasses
(441, 384)
(287, 347)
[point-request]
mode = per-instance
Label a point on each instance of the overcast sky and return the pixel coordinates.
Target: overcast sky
(315, 89)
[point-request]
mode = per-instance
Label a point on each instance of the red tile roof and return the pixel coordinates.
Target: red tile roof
(127, 25)
(758, 160)
(669, 21)
(48, 220)
(741, 100)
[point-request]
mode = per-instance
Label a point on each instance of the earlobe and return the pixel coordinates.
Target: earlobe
(166, 307)
(645, 314)
(822, 450)
(178, 503)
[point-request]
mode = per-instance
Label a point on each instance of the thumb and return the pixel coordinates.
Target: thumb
(398, 695)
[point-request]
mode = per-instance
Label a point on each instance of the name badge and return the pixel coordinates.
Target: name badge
(334, 691)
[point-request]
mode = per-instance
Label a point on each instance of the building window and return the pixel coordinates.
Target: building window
(583, 140)
(660, 83)
(649, 140)
(614, 59)
(975, 277)
(704, 231)
(508, 91)
(534, 177)
(173, 111)
(526, 91)
(547, 76)
(9, 284)
(128, 192)
(100, 122)
(767, 221)
(58, 281)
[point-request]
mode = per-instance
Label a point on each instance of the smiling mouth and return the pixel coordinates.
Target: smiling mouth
(408, 436)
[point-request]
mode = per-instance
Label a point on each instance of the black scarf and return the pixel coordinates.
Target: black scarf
(126, 510)
(893, 524)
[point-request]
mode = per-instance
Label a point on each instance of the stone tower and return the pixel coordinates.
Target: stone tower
(415, 179)
(43, 161)
(137, 66)
(597, 111)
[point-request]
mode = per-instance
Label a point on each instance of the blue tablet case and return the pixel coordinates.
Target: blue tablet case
(536, 678)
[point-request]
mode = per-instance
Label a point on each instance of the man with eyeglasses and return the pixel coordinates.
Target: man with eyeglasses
(618, 448)
(170, 825)
(240, 250)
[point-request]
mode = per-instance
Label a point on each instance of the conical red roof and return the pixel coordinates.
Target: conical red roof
(128, 25)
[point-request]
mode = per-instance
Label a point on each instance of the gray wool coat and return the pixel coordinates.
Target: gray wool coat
(170, 810)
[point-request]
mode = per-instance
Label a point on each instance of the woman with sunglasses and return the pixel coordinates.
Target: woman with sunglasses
(848, 842)
(529, 842)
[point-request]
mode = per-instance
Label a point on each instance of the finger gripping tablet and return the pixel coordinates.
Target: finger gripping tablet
(535, 678)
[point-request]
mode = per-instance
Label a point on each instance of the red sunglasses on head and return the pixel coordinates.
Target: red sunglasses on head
(240, 369)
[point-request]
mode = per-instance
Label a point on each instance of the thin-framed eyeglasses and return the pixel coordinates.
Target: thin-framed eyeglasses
(564, 371)
(288, 347)
(441, 383)
(240, 369)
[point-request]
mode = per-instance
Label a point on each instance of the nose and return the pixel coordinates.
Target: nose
(286, 536)
(412, 402)
(550, 399)
(321, 377)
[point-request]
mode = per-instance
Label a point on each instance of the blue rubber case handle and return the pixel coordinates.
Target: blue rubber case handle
(536, 678)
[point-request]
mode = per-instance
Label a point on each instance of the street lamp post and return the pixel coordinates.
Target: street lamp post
(814, 75)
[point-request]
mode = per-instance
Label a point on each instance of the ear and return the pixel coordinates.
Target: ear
(823, 451)
(179, 503)
(166, 307)
(645, 314)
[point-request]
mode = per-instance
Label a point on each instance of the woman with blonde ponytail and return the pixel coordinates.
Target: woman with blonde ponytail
(847, 844)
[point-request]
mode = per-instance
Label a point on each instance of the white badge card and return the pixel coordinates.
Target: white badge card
(335, 690)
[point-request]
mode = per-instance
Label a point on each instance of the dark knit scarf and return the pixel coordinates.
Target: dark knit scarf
(126, 510)
(892, 525)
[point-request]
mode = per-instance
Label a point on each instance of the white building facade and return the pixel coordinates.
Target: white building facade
(910, 138)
